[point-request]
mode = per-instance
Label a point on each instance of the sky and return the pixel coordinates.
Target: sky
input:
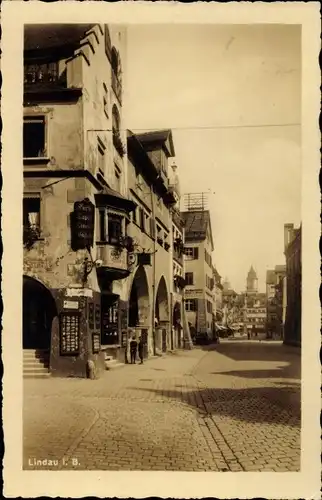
(232, 96)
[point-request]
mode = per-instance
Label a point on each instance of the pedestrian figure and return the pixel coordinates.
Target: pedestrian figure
(140, 348)
(133, 349)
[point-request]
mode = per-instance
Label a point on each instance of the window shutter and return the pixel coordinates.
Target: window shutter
(152, 228)
(196, 252)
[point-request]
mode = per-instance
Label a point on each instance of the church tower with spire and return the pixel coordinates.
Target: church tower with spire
(252, 281)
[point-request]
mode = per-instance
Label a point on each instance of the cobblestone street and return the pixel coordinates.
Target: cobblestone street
(230, 407)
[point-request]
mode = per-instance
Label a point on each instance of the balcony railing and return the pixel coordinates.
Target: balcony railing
(117, 87)
(44, 75)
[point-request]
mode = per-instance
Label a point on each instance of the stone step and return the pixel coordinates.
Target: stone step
(32, 355)
(35, 369)
(35, 362)
(113, 364)
(36, 375)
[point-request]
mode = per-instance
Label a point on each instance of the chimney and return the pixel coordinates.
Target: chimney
(288, 234)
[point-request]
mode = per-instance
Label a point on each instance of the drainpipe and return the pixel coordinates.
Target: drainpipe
(153, 271)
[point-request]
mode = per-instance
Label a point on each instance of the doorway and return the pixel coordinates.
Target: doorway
(39, 310)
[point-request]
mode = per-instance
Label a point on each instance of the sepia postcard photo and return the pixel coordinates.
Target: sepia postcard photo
(161, 267)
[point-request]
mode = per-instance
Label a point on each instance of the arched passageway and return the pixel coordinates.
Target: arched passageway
(39, 310)
(162, 302)
(177, 324)
(139, 303)
(162, 315)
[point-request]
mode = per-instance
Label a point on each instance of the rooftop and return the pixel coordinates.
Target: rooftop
(280, 268)
(39, 37)
(158, 137)
(196, 224)
(270, 277)
(252, 273)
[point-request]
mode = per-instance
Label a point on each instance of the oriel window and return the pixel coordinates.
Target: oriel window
(114, 228)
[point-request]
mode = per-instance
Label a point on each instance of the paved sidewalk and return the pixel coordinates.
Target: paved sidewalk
(217, 409)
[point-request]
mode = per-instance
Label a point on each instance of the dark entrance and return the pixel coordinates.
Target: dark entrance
(176, 321)
(139, 307)
(110, 319)
(39, 310)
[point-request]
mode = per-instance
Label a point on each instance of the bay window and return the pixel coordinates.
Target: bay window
(111, 227)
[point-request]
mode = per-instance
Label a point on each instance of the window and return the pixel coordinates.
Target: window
(31, 212)
(135, 214)
(191, 304)
(152, 228)
(114, 228)
(102, 225)
(142, 219)
(101, 156)
(34, 142)
(146, 223)
(191, 253)
(105, 100)
(189, 278)
(117, 173)
(116, 119)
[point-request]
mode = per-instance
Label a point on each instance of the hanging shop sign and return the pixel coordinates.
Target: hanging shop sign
(192, 293)
(69, 333)
(70, 304)
(82, 224)
(78, 292)
(96, 342)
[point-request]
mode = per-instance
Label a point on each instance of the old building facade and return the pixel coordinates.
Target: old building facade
(179, 334)
(198, 273)
(150, 284)
(275, 296)
(74, 180)
(255, 305)
(217, 296)
(293, 311)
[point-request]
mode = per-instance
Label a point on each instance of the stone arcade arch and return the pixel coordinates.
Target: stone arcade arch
(177, 325)
(39, 311)
(162, 315)
(139, 303)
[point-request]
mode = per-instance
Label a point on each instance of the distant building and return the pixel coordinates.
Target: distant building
(275, 294)
(230, 313)
(198, 270)
(255, 311)
(218, 296)
(252, 281)
(293, 255)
